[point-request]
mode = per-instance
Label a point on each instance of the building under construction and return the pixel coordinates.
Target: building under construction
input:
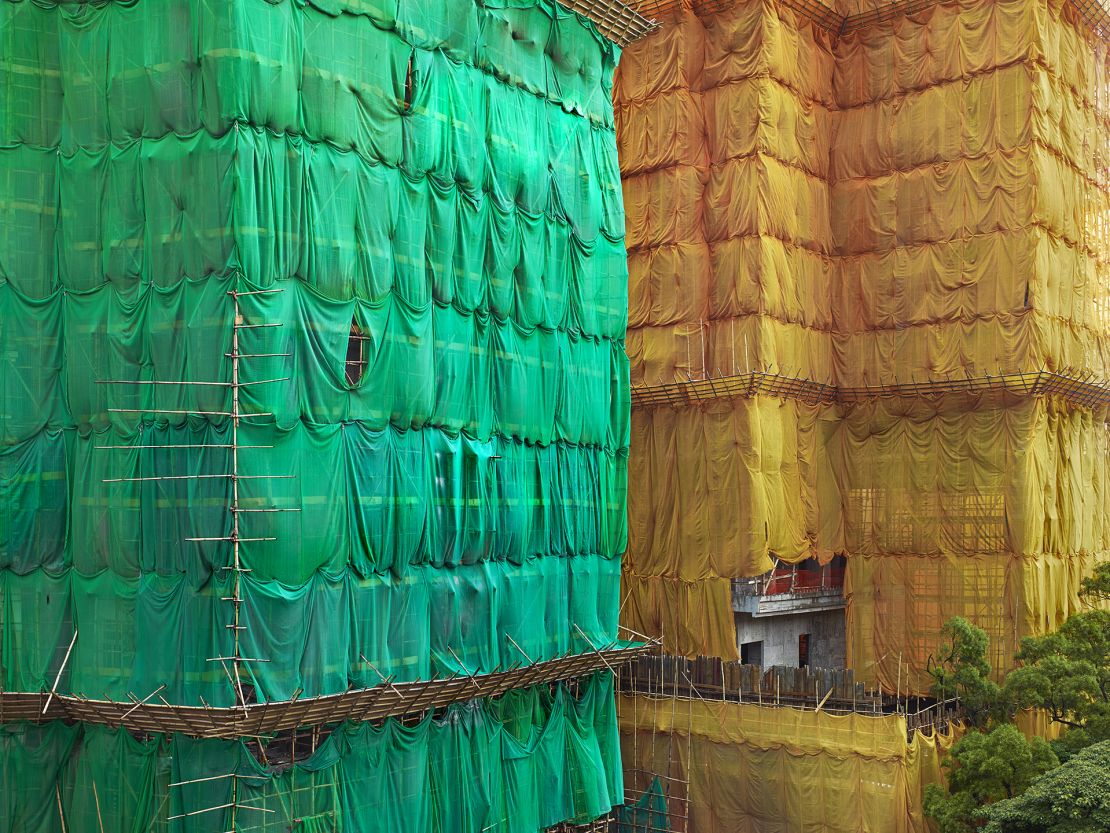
(314, 415)
(315, 433)
(869, 310)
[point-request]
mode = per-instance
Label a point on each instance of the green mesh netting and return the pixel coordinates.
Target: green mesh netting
(519, 764)
(440, 177)
(647, 815)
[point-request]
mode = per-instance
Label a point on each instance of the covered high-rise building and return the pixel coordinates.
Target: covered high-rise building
(868, 315)
(869, 263)
(313, 415)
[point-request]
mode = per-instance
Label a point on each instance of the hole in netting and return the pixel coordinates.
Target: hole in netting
(408, 87)
(288, 747)
(355, 365)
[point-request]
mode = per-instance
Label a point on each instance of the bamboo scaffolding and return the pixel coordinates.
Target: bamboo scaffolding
(387, 699)
(833, 691)
(822, 13)
(620, 23)
(1074, 387)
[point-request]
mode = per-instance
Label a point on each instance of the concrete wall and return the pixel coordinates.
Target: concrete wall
(779, 635)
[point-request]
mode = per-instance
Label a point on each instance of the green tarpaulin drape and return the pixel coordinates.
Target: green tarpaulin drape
(439, 178)
(526, 761)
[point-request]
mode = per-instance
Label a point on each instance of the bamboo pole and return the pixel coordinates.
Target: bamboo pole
(58, 678)
(96, 798)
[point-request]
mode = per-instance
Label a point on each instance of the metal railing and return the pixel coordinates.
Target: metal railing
(793, 580)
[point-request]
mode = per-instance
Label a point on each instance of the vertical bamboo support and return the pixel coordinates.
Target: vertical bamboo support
(898, 689)
(234, 804)
(236, 567)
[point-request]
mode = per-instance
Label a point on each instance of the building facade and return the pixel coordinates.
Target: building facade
(867, 316)
(868, 272)
(315, 415)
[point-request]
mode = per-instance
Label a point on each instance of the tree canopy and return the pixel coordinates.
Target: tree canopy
(1073, 798)
(961, 670)
(997, 777)
(1096, 587)
(985, 767)
(1067, 674)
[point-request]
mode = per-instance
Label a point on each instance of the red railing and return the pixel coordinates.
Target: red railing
(788, 578)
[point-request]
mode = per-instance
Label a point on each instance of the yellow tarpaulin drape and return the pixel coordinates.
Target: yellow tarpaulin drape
(920, 199)
(763, 769)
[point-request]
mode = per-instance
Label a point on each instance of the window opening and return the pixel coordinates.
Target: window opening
(751, 653)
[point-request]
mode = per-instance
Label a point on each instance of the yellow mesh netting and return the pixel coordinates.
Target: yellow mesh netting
(724, 149)
(917, 200)
(718, 488)
(746, 484)
(991, 510)
(760, 768)
(969, 194)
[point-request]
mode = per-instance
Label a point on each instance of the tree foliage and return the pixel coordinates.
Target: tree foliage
(1073, 798)
(996, 776)
(1067, 674)
(985, 767)
(1096, 587)
(961, 670)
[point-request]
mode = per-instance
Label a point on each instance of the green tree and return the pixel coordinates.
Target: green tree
(1067, 674)
(1073, 798)
(985, 767)
(1096, 588)
(961, 670)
